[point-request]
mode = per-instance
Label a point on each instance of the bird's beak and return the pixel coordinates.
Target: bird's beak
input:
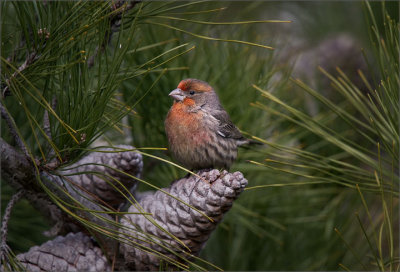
(177, 94)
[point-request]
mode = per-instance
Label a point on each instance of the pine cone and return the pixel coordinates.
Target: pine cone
(213, 195)
(101, 184)
(75, 251)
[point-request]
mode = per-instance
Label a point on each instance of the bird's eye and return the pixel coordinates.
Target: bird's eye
(191, 92)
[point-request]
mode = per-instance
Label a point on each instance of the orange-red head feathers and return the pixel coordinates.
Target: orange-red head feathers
(195, 85)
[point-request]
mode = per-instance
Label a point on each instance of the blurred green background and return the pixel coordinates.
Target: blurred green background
(289, 222)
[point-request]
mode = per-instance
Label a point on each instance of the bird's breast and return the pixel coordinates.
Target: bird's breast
(184, 127)
(193, 140)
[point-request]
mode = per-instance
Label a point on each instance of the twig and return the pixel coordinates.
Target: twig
(46, 124)
(13, 129)
(4, 224)
(115, 23)
(29, 60)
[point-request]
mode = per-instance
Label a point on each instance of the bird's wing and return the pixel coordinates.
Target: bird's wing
(226, 128)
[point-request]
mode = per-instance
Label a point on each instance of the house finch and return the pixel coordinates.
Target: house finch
(199, 130)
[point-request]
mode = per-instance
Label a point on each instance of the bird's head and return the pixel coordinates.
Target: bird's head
(195, 92)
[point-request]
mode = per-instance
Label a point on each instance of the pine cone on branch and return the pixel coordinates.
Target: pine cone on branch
(188, 210)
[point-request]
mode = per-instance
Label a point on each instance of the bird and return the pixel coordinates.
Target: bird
(200, 132)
